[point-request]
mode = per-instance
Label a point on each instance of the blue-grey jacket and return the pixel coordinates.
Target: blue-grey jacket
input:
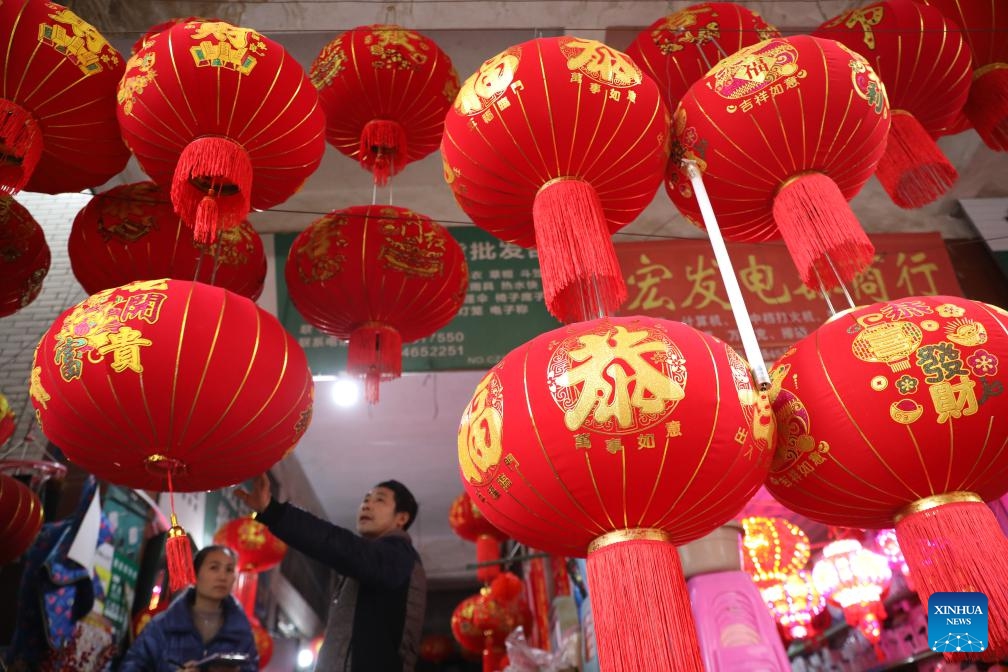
(171, 638)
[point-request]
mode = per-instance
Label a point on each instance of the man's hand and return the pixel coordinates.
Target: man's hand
(260, 497)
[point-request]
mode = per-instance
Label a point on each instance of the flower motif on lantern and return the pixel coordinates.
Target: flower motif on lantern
(855, 579)
(773, 548)
(794, 601)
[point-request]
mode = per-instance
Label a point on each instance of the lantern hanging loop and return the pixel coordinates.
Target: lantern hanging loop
(840, 282)
(746, 332)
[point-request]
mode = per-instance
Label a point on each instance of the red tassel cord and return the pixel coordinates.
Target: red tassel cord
(913, 170)
(581, 276)
(987, 105)
(178, 550)
(383, 149)
(820, 231)
(20, 146)
(487, 550)
(375, 352)
(212, 186)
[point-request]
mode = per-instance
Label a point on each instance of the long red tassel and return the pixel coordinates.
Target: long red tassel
(487, 549)
(987, 105)
(212, 186)
(178, 551)
(818, 226)
(21, 146)
(383, 149)
(245, 589)
(581, 276)
(953, 543)
(643, 620)
(913, 170)
(375, 352)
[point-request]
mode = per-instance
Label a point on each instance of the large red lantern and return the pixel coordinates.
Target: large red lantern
(8, 421)
(557, 143)
(58, 130)
(225, 116)
(20, 518)
(468, 522)
(785, 132)
(24, 256)
(378, 276)
(984, 25)
(131, 232)
(925, 66)
(385, 90)
(617, 439)
(682, 47)
(896, 412)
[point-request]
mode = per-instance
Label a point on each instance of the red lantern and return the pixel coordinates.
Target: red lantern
(436, 648)
(147, 615)
(896, 412)
(467, 522)
(682, 47)
(925, 66)
(984, 25)
(557, 143)
(568, 445)
(378, 276)
(258, 549)
(772, 548)
(131, 232)
(58, 79)
(782, 151)
(223, 114)
(481, 625)
(8, 421)
(385, 91)
(263, 642)
(20, 518)
(24, 256)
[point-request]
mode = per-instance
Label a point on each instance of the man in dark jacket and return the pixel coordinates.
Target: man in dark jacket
(376, 616)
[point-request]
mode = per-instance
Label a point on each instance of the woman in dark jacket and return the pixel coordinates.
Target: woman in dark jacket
(203, 620)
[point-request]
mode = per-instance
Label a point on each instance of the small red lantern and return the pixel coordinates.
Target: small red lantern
(58, 131)
(147, 615)
(435, 648)
(8, 421)
(378, 276)
(679, 49)
(258, 549)
(131, 232)
(785, 132)
(894, 36)
(24, 257)
(481, 624)
(772, 548)
(984, 25)
(20, 518)
(467, 522)
(557, 143)
(225, 116)
(568, 444)
(897, 412)
(385, 91)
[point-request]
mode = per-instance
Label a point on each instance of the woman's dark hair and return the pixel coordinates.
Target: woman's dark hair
(207, 550)
(404, 500)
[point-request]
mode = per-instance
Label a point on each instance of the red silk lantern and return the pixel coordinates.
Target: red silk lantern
(378, 276)
(557, 143)
(914, 437)
(263, 642)
(984, 25)
(436, 648)
(385, 91)
(467, 522)
(131, 232)
(785, 132)
(258, 549)
(24, 257)
(772, 548)
(481, 624)
(682, 47)
(567, 446)
(8, 421)
(925, 66)
(225, 116)
(20, 518)
(58, 131)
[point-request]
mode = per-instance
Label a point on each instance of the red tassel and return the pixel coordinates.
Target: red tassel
(581, 276)
(21, 146)
(372, 385)
(493, 656)
(212, 186)
(640, 604)
(987, 105)
(818, 227)
(375, 352)
(913, 170)
(245, 589)
(383, 149)
(487, 549)
(178, 555)
(952, 542)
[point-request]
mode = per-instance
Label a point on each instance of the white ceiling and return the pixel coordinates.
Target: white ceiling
(411, 434)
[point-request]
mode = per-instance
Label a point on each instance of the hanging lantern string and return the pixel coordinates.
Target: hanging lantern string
(216, 259)
(836, 273)
(746, 332)
(823, 292)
